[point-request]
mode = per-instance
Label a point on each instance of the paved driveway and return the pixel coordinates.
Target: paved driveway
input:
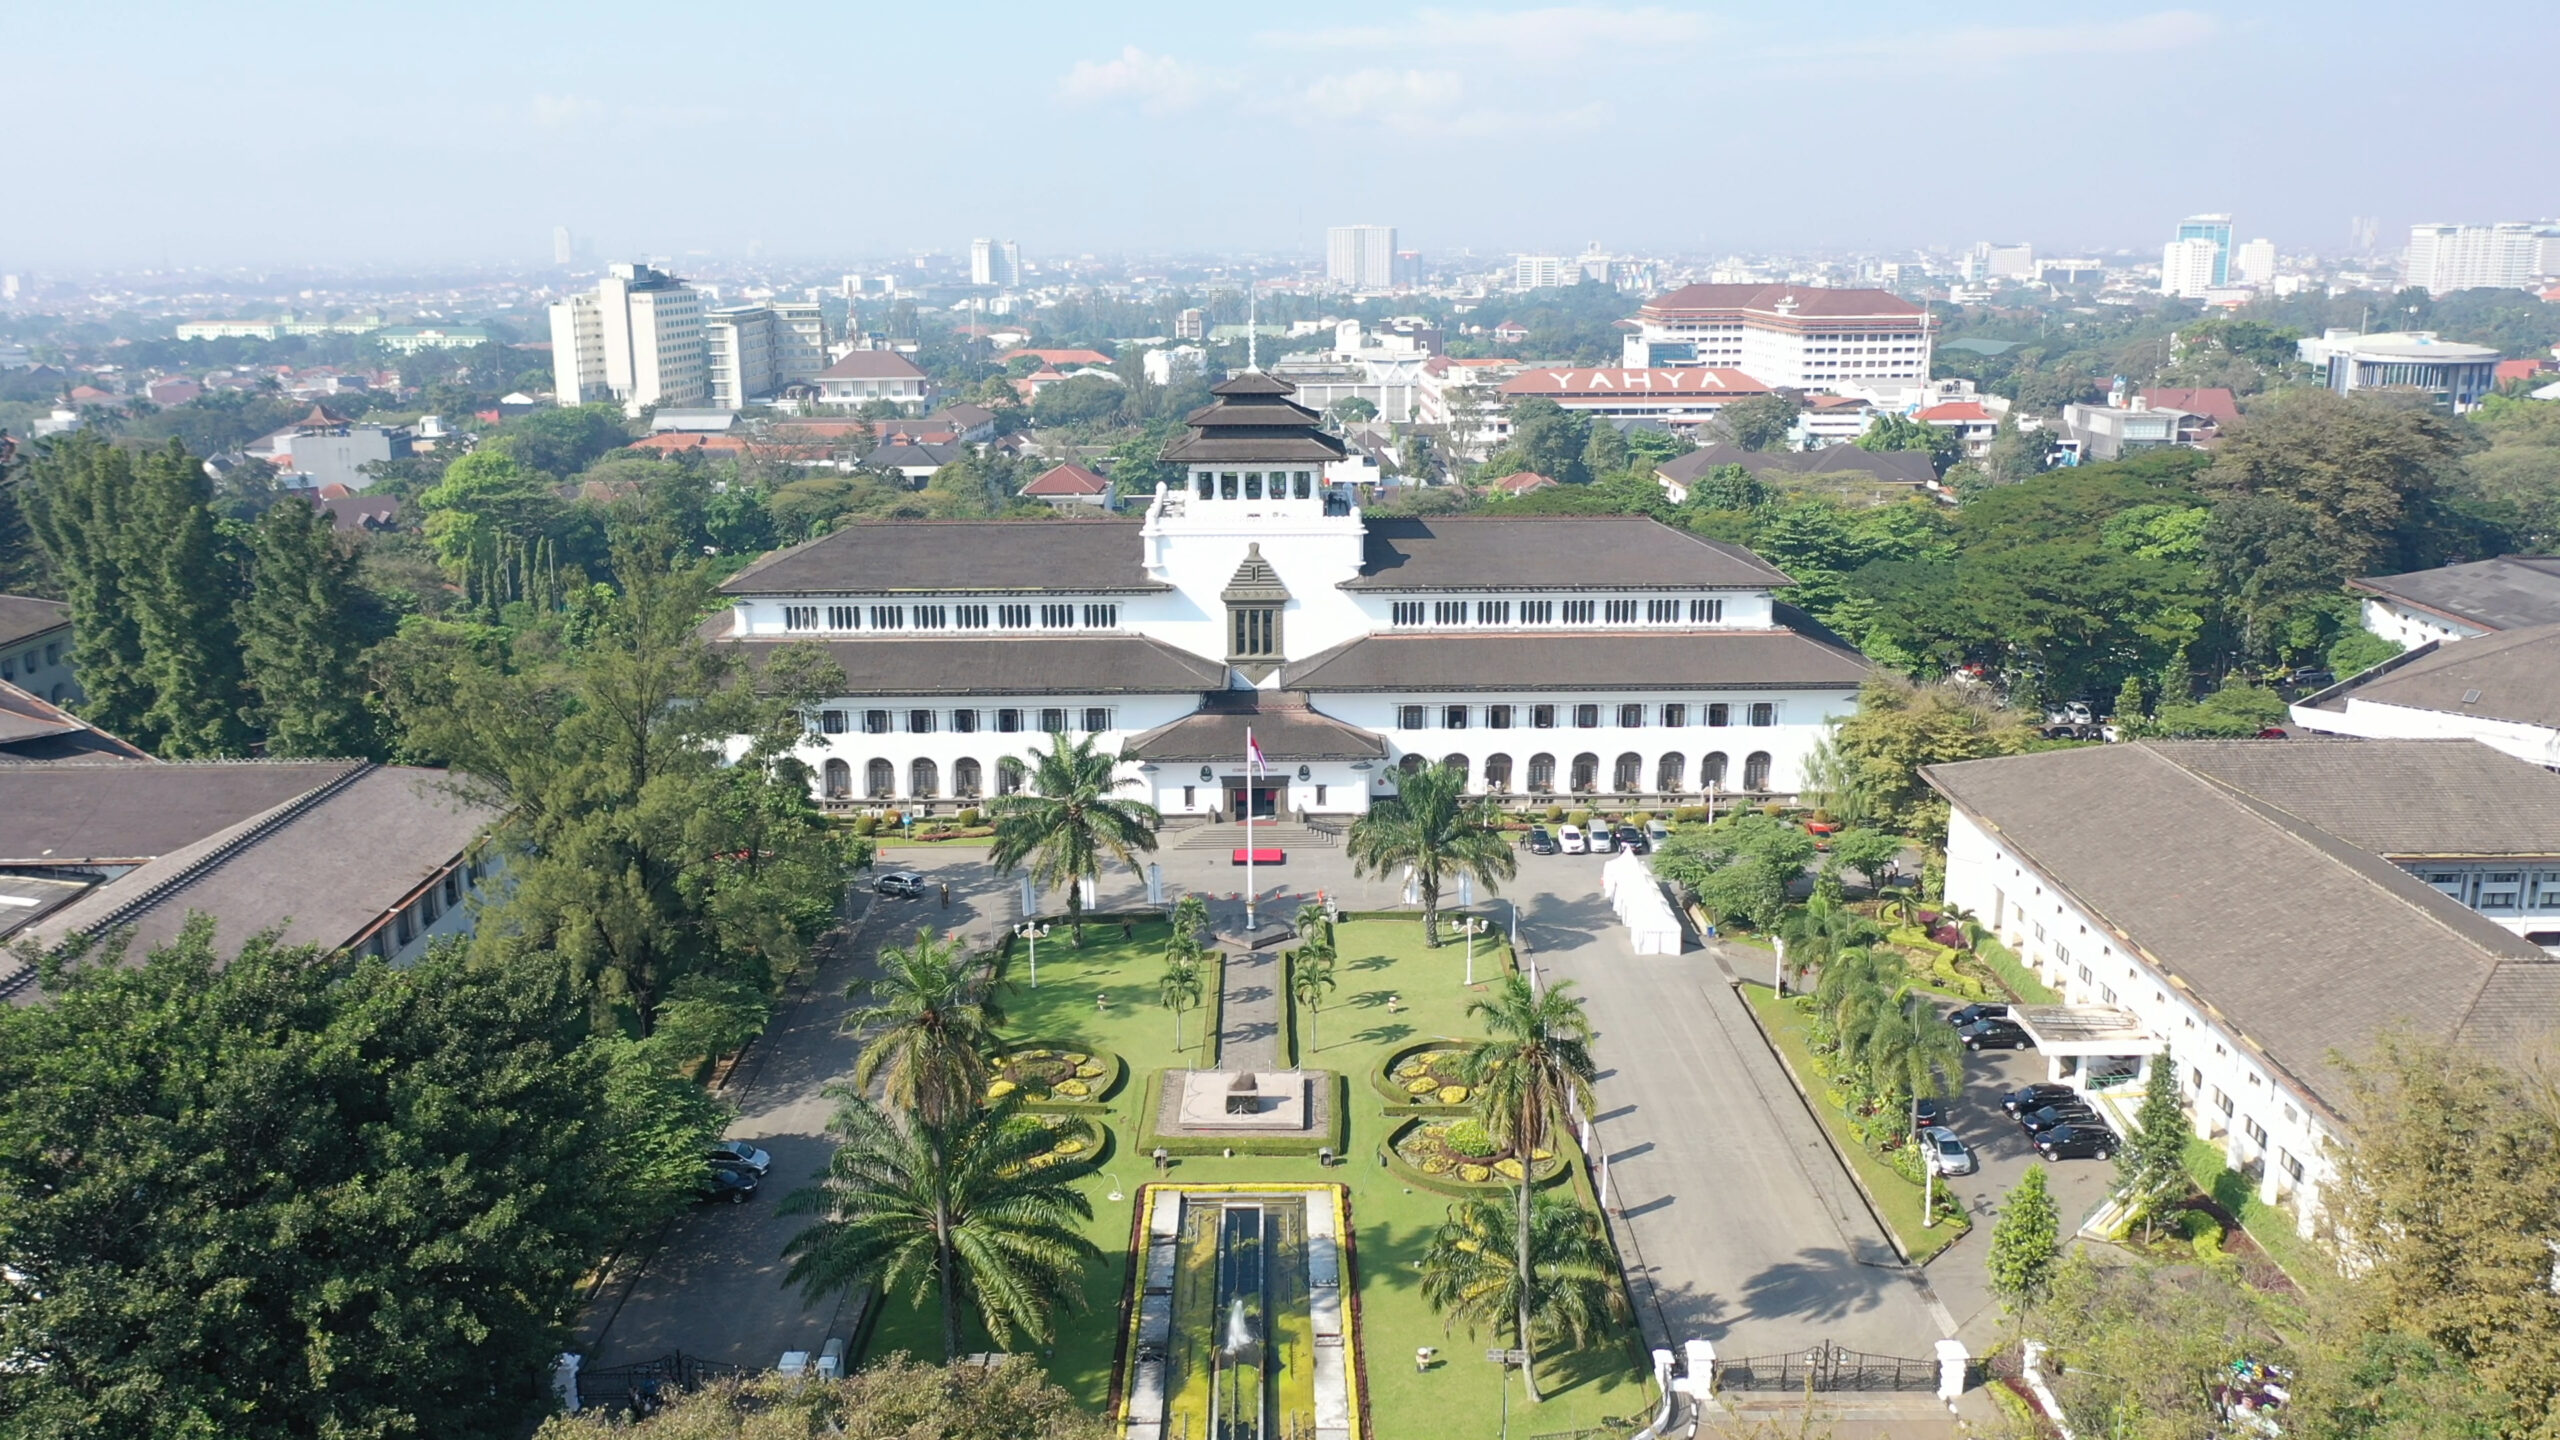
(1740, 1217)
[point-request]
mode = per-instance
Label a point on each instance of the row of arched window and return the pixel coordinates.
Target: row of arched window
(1626, 776)
(924, 779)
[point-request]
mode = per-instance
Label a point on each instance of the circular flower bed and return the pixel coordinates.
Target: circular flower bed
(1461, 1149)
(1073, 1140)
(1433, 1077)
(1048, 1075)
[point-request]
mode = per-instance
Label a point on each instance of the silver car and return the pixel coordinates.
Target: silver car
(740, 1153)
(1944, 1153)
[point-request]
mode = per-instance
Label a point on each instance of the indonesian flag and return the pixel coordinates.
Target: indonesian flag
(1254, 763)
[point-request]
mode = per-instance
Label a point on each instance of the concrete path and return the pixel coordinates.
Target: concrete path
(1738, 1220)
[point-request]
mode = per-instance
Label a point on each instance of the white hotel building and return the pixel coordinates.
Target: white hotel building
(1612, 657)
(1794, 337)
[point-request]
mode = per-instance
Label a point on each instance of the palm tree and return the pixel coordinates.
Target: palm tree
(1190, 917)
(1069, 821)
(1572, 1289)
(937, 1028)
(971, 1210)
(1310, 980)
(1536, 1061)
(1431, 825)
(1179, 988)
(1912, 1053)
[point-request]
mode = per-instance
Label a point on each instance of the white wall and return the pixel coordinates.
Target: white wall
(2371, 720)
(1803, 719)
(2084, 961)
(902, 747)
(2409, 627)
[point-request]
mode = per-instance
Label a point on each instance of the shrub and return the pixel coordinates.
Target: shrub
(867, 825)
(1690, 814)
(1468, 1137)
(1639, 817)
(1555, 814)
(968, 817)
(1578, 818)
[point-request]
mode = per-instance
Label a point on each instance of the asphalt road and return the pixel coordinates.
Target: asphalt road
(1741, 1220)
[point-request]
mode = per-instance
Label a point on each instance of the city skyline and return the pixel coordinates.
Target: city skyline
(1426, 119)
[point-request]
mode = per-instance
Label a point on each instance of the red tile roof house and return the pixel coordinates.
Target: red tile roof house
(2214, 407)
(1521, 483)
(1970, 419)
(1072, 484)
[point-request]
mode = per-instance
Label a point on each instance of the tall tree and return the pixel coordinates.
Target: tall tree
(1941, 443)
(935, 1042)
(1069, 820)
(77, 493)
(1179, 986)
(2026, 1243)
(304, 635)
(1535, 1062)
(1761, 422)
(2151, 1170)
(1431, 825)
(276, 1194)
(484, 502)
(1310, 980)
(183, 580)
(970, 1215)
(1567, 1292)
(2367, 469)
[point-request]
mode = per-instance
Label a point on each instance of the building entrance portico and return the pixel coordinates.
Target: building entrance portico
(1266, 798)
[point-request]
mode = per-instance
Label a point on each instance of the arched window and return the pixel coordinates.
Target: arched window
(924, 780)
(1412, 764)
(1497, 773)
(1586, 773)
(1627, 776)
(1711, 771)
(1672, 775)
(1542, 774)
(1009, 774)
(879, 779)
(966, 779)
(839, 780)
(1459, 764)
(1755, 772)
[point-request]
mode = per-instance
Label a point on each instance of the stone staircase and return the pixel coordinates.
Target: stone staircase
(1267, 835)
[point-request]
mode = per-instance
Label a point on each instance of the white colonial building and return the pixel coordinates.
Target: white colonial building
(1609, 657)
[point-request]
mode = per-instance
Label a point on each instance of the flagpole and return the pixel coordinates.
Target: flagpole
(1249, 893)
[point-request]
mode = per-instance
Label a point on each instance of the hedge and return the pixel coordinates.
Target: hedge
(1336, 1132)
(1398, 1101)
(1559, 1166)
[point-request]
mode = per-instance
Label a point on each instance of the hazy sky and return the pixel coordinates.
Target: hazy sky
(347, 134)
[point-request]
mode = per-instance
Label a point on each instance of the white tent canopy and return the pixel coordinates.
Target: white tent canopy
(1631, 890)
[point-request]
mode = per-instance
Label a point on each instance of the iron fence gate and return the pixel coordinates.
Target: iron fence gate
(1826, 1367)
(642, 1387)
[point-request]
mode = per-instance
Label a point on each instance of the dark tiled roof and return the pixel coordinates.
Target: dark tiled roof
(23, 617)
(2394, 797)
(70, 813)
(1253, 419)
(1013, 665)
(1551, 552)
(2507, 593)
(1810, 302)
(1582, 660)
(1282, 723)
(977, 557)
(33, 730)
(872, 365)
(2306, 944)
(2513, 675)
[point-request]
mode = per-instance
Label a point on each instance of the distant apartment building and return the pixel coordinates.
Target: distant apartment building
(1191, 324)
(1361, 257)
(637, 339)
(2188, 267)
(2216, 231)
(1408, 270)
(995, 262)
(2071, 272)
(2446, 258)
(2455, 375)
(752, 351)
(277, 329)
(327, 449)
(1543, 272)
(2254, 263)
(1987, 261)
(410, 339)
(1784, 336)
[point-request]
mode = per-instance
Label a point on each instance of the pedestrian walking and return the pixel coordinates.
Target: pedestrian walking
(946, 894)
(1128, 930)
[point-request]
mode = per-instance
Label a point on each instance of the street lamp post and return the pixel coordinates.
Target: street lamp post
(1471, 927)
(1928, 1172)
(1032, 930)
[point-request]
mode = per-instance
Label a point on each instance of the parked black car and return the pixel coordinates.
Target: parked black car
(1927, 1112)
(2036, 1096)
(1633, 841)
(1994, 1035)
(1964, 1015)
(733, 1183)
(2036, 1122)
(2076, 1142)
(1541, 842)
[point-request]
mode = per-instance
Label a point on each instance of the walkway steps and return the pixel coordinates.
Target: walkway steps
(1267, 835)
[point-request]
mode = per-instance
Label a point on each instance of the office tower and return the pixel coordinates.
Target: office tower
(637, 339)
(8, 287)
(2216, 229)
(562, 252)
(1009, 263)
(2190, 266)
(2445, 258)
(1408, 270)
(982, 261)
(2254, 263)
(1539, 272)
(1362, 257)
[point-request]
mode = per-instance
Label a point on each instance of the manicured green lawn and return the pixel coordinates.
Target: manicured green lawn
(1896, 1198)
(1392, 1223)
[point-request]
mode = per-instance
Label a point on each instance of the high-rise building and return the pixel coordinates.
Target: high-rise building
(8, 287)
(2190, 266)
(2445, 258)
(752, 351)
(637, 339)
(562, 252)
(2254, 263)
(982, 261)
(1009, 263)
(1540, 272)
(2217, 229)
(1790, 336)
(1191, 324)
(1407, 271)
(1361, 257)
